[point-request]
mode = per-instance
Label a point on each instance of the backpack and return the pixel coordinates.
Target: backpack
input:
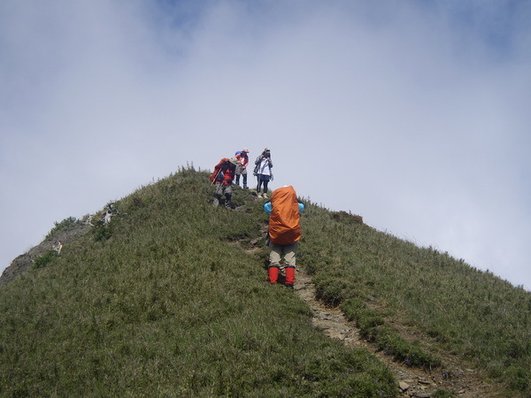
(217, 169)
(284, 221)
(258, 162)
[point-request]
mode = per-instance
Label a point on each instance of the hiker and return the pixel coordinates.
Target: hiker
(241, 167)
(284, 232)
(262, 171)
(57, 247)
(110, 211)
(222, 177)
(107, 217)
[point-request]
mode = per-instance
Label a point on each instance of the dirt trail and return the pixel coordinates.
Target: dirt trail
(453, 376)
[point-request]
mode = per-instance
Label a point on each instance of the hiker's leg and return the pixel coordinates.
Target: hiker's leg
(290, 260)
(266, 181)
(238, 173)
(218, 192)
(244, 174)
(274, 263)
(259, 178)
(272, 274)
(290, 276)
(289, 252)
(275, 255)
(228, 196)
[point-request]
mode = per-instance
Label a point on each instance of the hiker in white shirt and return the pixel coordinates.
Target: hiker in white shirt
(263, 165)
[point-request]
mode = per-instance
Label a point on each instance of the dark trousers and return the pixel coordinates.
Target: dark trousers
(263, 180)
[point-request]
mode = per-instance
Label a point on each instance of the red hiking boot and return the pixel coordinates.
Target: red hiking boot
(272, 272)
(290, 276)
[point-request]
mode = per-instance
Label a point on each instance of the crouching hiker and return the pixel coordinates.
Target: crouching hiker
(222, 178)
(284, 232)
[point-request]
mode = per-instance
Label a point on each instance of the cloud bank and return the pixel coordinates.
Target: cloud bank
(410, 114)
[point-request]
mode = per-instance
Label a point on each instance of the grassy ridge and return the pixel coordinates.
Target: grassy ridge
(158, 304)
(378, 277)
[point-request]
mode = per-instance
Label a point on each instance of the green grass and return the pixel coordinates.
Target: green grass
(161, 304)
(165, 301)
(380, 281)
(373, 328)
(443, 394)
(45, 259)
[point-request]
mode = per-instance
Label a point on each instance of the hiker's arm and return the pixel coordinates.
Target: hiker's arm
(301, 207)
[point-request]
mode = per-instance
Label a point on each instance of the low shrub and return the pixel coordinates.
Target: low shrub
(64, 225)
(45, 259)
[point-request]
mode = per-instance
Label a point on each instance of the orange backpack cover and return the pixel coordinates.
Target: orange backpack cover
(284, 221)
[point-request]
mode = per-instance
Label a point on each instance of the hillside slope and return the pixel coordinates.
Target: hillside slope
(160, 303)
(397, 292)
(171, 300)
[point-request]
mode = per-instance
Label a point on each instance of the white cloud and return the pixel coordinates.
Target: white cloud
(397, 111)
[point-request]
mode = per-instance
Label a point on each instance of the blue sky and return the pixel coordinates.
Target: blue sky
(413, 114)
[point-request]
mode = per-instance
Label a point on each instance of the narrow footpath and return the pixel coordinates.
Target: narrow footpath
(452, 376)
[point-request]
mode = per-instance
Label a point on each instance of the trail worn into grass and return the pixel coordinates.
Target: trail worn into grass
(452, 376)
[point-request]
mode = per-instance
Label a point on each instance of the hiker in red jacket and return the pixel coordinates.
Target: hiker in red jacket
(284, 232)
(241, 168)
(222, 177)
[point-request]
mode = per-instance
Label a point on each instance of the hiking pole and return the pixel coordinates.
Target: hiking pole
(216, 177)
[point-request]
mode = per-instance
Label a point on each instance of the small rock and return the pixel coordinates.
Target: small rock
(403, 386)
(422, 395)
